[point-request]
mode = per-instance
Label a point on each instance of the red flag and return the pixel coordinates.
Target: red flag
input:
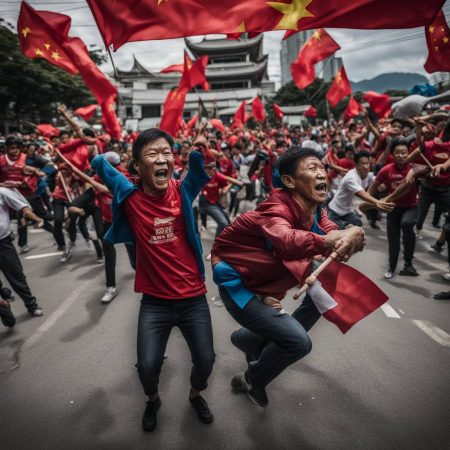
(344, 296)
(380, 103)
(311, 112)
(173, 110)
(353, 109)
(340, 88)
(278, 112)
(318, 47)
(77, 153)
(240, 116)
(194, 73)
(151, 19)
(86, 112)
(192, 121)
(218, 125)
(258, 111)
(41, 35)
(47, 130)
(438, 42)
(173, 68)
(110, 120)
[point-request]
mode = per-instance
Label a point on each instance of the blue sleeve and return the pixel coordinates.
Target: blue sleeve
(196, 177)
(115, 181)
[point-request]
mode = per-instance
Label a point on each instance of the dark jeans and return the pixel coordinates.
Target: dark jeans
(157, 317)
(277, 340)
(439, 195)
(346, 219)
(59, 207)
(401, 220)
(217, 213)
(12, 268)
(38, 208)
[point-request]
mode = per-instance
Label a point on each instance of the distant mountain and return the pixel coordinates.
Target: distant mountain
(386, 81)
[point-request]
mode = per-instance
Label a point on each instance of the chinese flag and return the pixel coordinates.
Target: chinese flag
(194, 73)
(438, 42)
(353, 109)
(318, 47)
(380, 103)
(41, 35)
(47, 130)
(311, 112)
(110, 120)
(86, 112)
(160, 19)
(278, 112)
(173, 110)
(258, 111)
(218, 125)
(240, 116)
(192, 121)
(173, 68)
(340, 88)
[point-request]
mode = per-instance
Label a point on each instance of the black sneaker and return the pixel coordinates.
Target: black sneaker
(437, 247)
(250, 358)
(6, 316)
(409, 270)
(6, 294)
(202, 408)
(442, 296)
(257, 395)
(149, 417)
(374, 225)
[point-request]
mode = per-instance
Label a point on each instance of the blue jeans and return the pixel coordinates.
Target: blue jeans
(346, 219)
(217, 213)
(276, 340)
(157, 317)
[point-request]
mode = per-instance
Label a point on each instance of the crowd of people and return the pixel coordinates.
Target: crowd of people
(278, 199)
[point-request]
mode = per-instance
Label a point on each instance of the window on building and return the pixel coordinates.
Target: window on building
(153, 85)
(129, 112)
(151, 111)
(128, 84)
(238, 84)
(225, 59)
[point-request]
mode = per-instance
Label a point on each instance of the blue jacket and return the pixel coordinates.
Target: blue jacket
(122, 188)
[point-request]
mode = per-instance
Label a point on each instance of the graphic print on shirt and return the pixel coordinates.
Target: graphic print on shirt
(164, 231)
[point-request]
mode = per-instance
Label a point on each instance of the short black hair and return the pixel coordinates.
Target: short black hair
(89, 132)
(13, 140)
(398, 141)
(361, 154)
(150, 135)
(349, 148)
(400, 121)
(65, 132)
(289, 160)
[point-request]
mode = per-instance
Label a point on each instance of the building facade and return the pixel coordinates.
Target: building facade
(236, 71)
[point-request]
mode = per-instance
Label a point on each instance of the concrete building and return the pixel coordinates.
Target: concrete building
(440, 80)
(236, 71)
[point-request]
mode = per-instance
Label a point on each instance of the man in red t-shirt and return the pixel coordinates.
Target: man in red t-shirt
(403, 217)
(157, 213)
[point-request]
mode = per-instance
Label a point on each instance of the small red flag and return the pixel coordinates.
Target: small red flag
(173, 68)
(278, 112)
(339, 89)
(258, 111)
(173, 110)
(47, 130)
(380, 103)
(194, 73)
(110, 120)
(240, 116)
(318, 47)
(218, 125)
(353, 109)
(438, 42)
(192, 121)
(86, 112)
(311, 112)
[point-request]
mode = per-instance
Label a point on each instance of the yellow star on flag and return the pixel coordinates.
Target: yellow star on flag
(292, 13)
(25, 31)
(56, 56)
(431, 29)
(47, 45)
(241, 28)
(39, 52)
(317, 35)
(160, 1)
(445, 39)
(338, 78)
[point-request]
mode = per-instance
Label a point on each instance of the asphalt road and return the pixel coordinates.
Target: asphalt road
(67, 379)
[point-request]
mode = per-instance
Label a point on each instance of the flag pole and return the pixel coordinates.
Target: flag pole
(312, 278)
(108, 49)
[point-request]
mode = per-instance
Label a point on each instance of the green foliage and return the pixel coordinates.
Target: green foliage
(30, 89)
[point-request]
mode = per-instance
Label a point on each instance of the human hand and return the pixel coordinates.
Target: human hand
(62, 109)
(76, 210)
(385, 206)
(273, 302)
(436, 171)
(352, 241)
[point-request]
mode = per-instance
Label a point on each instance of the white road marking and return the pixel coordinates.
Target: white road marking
(35, 230)
(390, 312)
(53, 318)
(401, 311)
(44, 255)
(435, 333)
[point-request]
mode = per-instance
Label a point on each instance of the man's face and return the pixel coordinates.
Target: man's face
(155, 165)
(64, 138)
(13, 152)
(310, 180)
(349, 155)
(400, 154)
(363, 167)
(396, 129)
(210, 169)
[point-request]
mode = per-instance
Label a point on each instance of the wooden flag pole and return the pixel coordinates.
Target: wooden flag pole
(312, 278)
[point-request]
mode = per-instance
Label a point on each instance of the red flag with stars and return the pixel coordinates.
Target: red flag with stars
(380, 103)
(278, 112)
(311, 112)
(438, 41)
(240, 116)
(318, 47)
(42, 34)
(173, 110)
(353, 109)
(110, 120)
(258, 111)
(167, 19)
(86, 112)
(339, 89)
(194, 73)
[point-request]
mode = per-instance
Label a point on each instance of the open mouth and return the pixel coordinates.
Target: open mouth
(161, 174)
(321, 188)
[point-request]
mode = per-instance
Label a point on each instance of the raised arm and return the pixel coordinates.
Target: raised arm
(78, 131)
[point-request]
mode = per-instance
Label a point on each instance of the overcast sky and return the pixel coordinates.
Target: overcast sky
(365, 53)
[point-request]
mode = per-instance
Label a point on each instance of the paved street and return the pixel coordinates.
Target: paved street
(67, 379)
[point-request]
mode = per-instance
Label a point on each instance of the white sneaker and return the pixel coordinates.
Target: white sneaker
(100, 260)
(68, 252)
(110, 293)
(419, 236)
(24, 249)
(208, 257)
(446, 276)
(388, 275)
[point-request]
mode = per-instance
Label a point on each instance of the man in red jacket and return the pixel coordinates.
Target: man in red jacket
(266, 252)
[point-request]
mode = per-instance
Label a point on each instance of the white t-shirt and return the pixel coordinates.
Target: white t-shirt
(9, 198)
(352, 183)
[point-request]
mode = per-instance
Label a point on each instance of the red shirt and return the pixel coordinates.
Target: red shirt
(227, 167)
(391, 176)
(77, 153)
(166, 266)
(60, 192)
(13, 171)
(211, 189)
(438, 153)
(346, 163)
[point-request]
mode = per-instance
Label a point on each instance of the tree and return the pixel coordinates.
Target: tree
(30, 89)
